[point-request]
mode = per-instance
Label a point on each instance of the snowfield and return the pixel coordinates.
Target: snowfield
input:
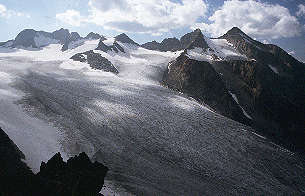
(219, 50)
(155, 141)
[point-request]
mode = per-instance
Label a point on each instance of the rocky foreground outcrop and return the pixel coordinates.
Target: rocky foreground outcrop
(78, 176)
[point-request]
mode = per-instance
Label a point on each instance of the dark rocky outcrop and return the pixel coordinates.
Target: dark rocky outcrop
(79, 176)
(199, 80)
(115, 47)
(76, 177)
(15, 177)
(96, 61)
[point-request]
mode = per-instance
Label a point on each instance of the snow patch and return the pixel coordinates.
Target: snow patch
(236, 100)
(199, 54)
(109, 41)
(224, 49)
(274, 69)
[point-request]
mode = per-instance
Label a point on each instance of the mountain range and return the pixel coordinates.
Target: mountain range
(188, 116)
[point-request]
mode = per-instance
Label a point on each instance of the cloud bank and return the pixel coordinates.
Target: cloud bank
(149, 16)
(260, 20)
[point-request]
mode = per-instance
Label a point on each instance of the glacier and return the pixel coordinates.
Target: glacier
(154, 140)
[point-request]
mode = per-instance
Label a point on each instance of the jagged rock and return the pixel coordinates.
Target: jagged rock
(76, 177)
(115, 47)
(199, 80)
(79, 176)
(96, 61)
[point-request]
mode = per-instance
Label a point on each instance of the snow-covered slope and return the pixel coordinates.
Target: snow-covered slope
(155, 141)
(219, 50)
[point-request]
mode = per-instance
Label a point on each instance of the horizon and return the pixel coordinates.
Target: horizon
(268, 21)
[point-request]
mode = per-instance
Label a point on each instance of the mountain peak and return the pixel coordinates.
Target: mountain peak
(235, 31)
(124, 39)
(93, 35)
(193, 40)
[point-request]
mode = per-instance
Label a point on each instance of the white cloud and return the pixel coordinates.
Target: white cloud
(301, 11)
(71, 17)
(260, 20)
(149, 16)
(7, 13)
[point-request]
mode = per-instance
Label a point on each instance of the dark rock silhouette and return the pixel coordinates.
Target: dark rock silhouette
(76, 177)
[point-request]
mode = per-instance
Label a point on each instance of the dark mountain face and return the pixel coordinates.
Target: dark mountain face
(199, 80)
(170, 44)
(25, 38)
(125, 39)
(275, 84)
(269, 85)
(62, 35)
(154, 45)
(193, 39)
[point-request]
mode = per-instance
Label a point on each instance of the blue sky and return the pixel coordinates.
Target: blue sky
(273, 21)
